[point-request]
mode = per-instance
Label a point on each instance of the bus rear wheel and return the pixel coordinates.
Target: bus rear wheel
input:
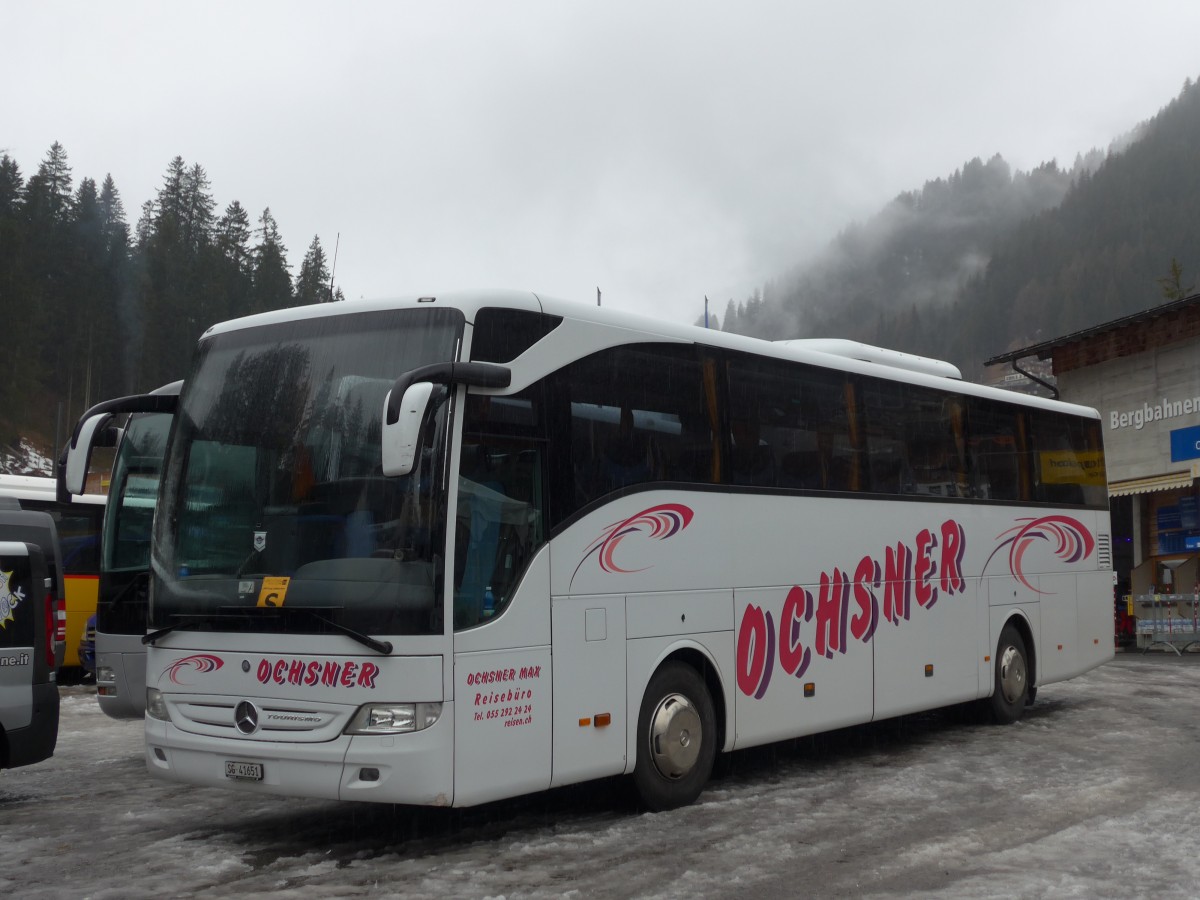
(1011, 689)
(676, 738)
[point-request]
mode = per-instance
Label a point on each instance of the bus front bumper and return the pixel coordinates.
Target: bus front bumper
(416, 768)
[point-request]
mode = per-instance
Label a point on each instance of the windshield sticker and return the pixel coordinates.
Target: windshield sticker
(9, 600)
(1073, 542)
(273, 592)
(658, 522)
(260, 541)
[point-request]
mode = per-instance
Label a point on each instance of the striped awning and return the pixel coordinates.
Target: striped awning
(1170, 481)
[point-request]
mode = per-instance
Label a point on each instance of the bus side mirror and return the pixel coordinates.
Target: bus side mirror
(91, 431)
(406, 404)
(79, 451)
(401, 438)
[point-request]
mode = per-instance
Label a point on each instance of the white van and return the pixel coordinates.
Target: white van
(29, 595)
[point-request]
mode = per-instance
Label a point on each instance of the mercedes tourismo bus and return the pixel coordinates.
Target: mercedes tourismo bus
(121, 604)
(446, 550)
(77, 518)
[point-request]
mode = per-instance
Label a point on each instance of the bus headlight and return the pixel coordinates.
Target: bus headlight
(156, 706)
(393, 718)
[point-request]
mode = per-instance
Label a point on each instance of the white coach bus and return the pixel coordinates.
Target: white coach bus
(446, 550)
(121, 604)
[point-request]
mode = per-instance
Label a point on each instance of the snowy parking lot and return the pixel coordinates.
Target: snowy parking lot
(1093, 794)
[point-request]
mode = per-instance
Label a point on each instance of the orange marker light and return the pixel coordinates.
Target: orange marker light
(584, 723)
(810, 689)
(603, 719)
(928, 670)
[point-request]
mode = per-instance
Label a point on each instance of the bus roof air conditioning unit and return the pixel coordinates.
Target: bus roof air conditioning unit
(879, 355)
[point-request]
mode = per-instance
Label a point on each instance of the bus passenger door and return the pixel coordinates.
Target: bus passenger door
(503, 698)
(501, 612)
(589, 687)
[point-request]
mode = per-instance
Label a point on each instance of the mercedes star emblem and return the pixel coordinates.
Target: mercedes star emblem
(245, 717)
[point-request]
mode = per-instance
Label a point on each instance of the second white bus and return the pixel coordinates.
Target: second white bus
(446, 550)
(123, 598)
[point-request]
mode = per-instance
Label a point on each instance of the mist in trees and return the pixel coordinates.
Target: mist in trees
(93, 309)
(990, 259)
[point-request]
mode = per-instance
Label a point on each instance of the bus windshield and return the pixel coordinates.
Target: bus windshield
(128, 519)
(132, 492)
(275, 513)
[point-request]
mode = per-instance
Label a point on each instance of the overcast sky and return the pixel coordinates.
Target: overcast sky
(659, 150)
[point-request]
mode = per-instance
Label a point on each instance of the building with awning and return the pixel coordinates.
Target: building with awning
(1142, 372)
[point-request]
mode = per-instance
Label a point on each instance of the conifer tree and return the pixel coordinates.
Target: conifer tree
(12, 187)
(731, 316)
(48, 194)
(233, 237)
(312, 284)
(232, 264)
(198, 205)
(170, 292)
(272, 281)
(17, 369)
(145, 225)
(112, 211)
(113, 286)
(171, 201)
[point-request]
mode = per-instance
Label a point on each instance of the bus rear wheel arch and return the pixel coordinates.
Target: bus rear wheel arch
(676, 738)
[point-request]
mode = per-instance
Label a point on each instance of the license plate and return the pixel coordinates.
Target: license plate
(243, 771)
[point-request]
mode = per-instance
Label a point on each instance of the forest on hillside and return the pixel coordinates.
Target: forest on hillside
(989, 259)
(969, 266)
(93, 309)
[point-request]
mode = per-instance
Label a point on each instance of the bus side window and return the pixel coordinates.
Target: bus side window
(1068, 460)
(637, 415)
(993, 451)
(883, 419)
(789, 425)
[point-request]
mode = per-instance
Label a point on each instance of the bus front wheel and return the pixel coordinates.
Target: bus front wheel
(676, 738)
(1011, 677)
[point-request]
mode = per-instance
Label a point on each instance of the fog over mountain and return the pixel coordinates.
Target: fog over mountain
(990, 257)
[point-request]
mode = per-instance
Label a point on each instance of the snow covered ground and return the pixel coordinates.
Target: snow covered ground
(1093, 794)
(25, 459)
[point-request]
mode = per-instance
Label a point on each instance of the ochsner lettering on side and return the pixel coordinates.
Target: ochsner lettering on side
(1167, 409)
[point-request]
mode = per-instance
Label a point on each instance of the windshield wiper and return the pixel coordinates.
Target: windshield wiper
(381, 647)
(182, 623)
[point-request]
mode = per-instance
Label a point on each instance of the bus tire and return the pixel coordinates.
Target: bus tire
(676, 738)
(1011, 688)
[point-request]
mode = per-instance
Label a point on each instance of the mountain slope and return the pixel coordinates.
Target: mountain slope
(972, 264)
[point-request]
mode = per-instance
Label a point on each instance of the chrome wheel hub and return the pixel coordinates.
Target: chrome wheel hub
(1012, 674)
(676, 736)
